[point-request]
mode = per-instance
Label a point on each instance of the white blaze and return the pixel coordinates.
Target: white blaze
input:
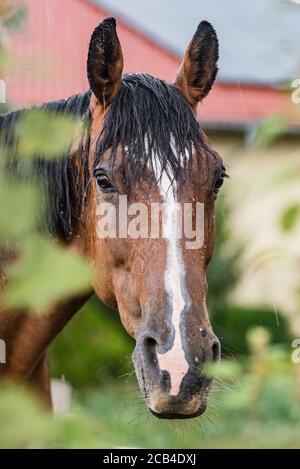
(173, 361)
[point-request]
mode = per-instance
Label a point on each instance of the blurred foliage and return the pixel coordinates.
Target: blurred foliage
(266, 133)
(224, 268)
(40, 271)
(44, 273)
(232, 323)
(12, 16)
(18, 407)
(225, 370)
(42, 132)
(93, 348)
(290, 217)
(253, 405)
(5, 13)
(269, 130)
(282, 178)
(11, 19)
(247, 407)
(19, 207)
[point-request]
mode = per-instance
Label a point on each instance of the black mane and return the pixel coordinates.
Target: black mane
(148, 116)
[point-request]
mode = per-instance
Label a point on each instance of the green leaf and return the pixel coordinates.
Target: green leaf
(18, 406)
(223, 370)
(282, 178)
(269, 130)
(289, 217)
(45, 133)
(18, 208)
(258, 339)
(5, 58)
(45, 273)
(15, 18)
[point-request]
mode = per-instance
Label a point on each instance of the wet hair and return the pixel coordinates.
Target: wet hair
(148, 117)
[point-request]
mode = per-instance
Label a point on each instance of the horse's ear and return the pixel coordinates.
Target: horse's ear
(105, 62)
(198, 70)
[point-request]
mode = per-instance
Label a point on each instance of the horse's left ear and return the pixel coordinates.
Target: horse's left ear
(198, 70)
(105, 62)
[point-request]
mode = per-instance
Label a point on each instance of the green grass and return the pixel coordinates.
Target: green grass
(126, 422)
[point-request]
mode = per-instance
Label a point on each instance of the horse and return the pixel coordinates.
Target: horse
(143, 140)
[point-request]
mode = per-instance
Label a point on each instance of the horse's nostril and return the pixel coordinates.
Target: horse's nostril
(216, 350)
(149, 342)
(149, 350)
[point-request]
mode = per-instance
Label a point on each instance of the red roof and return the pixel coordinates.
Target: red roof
(50, 63)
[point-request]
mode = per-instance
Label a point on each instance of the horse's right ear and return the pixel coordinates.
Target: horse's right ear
(105, 62)
(198, 70)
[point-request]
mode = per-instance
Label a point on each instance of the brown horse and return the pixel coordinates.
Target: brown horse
(143, 144)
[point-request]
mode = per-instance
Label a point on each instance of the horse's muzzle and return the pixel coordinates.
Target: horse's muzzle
(190, 400)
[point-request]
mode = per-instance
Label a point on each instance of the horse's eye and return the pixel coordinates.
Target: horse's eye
(104, 183)
(218, 184)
